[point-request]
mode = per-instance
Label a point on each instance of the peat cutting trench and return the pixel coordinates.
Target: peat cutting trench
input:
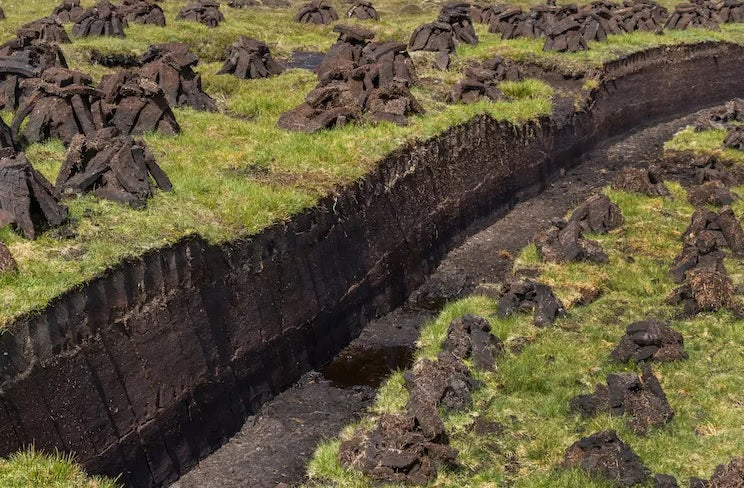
(158, 362)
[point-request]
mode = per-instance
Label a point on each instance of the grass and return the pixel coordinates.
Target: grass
(708, 142)
(234, 172)
(29, 468)
(529, 393)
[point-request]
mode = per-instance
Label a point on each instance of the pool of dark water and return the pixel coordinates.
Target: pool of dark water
(367, 367)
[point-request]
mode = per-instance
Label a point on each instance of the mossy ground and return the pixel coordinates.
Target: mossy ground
(234, 172)
(529, 394)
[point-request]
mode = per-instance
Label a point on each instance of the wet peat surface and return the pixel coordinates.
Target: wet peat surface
(274, 446)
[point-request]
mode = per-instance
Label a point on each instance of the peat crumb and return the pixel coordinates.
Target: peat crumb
(644, 181)
(605, 455)
(641, 398)
(524, 296)
(705, 290)
(649, 340)
(565, 242)
(711, 193)
(729, 475)
(470, 336)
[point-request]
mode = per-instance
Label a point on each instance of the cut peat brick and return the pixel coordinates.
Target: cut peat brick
(28, 202)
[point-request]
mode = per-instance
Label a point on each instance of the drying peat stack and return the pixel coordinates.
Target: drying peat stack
(483, 81)
(171, 66)
(457, 14)
(346, 54)
(649, 340)
(731, 11)
(134, 105)
(112, 166)
(453, 24)
(28, 201)
(640, 15)
(46, 29)
(362, 10)
(567, 35)
(702, 14)
(735, 138)
(58, 105)
(535, 23)
(606, 456)
(256, 3)
(358, 78)
(102, 20)
(142, 12)
(68, 11)
(486, 15)
(435, 37)
(316, 12)
(248, 58)
(205, 12)
(20, 59)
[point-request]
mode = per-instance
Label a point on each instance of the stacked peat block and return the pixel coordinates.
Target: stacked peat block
(171, 66)
(57, 105)
(256, 3)
(112, 166)
(486, 15)
(457, 14)
(702, 14)
(640, 15)
(316, 12)
(46, 29)
(134, 104)
(21, 59)
(535, 23)
(453, 24)
(68, 11)
(102, 20)
(7, 143)
(28, 202)
(731, 11)
(363, 10)
(142, 12)
(205, 12)
(735, 138)
(248, 58)
(567, 35)
(483, 81)
(357, 78)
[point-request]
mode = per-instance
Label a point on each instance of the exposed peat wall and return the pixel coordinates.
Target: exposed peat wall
(156, 363)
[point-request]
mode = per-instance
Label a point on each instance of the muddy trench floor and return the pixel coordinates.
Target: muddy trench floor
(274, 446)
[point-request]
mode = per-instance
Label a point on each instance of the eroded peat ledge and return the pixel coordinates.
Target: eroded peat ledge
(153, 365)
